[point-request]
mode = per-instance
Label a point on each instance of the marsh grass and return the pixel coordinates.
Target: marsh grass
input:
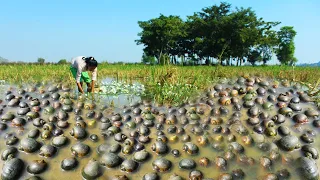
(164, 84)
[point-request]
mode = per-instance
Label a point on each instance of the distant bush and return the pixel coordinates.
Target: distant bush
(104, 62)
(63, 61)
(41, 60)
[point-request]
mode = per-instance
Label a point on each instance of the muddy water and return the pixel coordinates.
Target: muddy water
(119, 100)
(254, 171)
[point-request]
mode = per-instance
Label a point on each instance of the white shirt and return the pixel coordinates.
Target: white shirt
(80, 65)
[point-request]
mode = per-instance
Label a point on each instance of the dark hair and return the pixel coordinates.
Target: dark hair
(90, 61)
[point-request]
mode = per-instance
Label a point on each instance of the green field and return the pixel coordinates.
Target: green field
(165, 84)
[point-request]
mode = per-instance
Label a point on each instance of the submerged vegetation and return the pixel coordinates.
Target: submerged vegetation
(164, 84)
(121, 87)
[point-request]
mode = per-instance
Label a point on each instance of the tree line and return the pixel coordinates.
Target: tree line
(61, 61)
(216, 35)
(40, 60)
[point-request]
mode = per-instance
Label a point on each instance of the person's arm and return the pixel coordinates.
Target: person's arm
(80, 87)
(92, 86)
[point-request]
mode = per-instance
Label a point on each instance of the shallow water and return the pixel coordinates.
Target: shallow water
(254, 171)
(118, 99)
(119, 96)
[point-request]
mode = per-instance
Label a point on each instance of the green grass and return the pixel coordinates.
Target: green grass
(165, 84)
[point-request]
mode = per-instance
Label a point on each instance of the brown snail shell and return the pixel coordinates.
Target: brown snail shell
(223, 93)
(215, 120)
(202, 140)
(225, 101)
(204, 161)
(234, 93)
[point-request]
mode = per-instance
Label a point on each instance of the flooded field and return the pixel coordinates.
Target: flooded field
(248, 129)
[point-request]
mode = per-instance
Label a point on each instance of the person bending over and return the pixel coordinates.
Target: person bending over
(79, 68)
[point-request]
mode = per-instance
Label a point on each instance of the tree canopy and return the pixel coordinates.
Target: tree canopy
(285, 52)
(62, 61)
(41, 60)
(216, 33)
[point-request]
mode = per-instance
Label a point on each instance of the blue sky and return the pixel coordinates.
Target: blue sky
(107, 29)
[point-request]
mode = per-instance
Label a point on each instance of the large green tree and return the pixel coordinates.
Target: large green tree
(245, 32)
(286, 47)
(267, 45)
(216, 32)
(252, 37)
(161, 35)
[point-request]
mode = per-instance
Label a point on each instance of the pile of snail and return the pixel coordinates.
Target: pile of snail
(251, 128)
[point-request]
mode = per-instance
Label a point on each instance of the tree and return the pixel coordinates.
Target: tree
(293, 61)
(148, 59)
(165, 59)
(3, 60)
(62, 61)
(251, 37)
(245, 31)
(286, 47)
(254, 57)
(216, 32)
(226, 35)
(160, 35)
(41, 60)
(285, 53)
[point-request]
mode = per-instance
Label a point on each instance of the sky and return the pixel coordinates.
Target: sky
(106, 29)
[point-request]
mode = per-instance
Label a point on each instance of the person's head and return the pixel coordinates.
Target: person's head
(91, 63)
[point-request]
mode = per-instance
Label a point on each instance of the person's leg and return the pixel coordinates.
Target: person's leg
(86, 78)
